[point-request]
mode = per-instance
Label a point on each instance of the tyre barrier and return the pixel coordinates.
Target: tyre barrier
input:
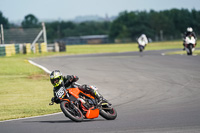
(13, 49)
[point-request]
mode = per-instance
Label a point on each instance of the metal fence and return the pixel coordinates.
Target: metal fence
(20, 35)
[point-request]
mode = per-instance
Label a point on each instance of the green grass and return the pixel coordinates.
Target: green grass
(107, 48)
(25, 90)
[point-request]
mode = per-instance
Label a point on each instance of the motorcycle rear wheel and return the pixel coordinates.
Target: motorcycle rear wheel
(71, 111)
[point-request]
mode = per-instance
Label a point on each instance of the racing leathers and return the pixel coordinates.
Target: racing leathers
(142, 40)
(188, 34)
(68, 82)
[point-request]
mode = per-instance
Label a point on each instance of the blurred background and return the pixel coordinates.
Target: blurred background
(96, 22)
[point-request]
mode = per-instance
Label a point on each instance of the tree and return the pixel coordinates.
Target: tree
(30, 21)
(169, 23)
(4, 20)
(130, 25)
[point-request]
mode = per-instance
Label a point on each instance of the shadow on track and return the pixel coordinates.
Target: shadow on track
(64, 121)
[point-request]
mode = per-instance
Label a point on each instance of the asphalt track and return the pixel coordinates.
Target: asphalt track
(152, 94)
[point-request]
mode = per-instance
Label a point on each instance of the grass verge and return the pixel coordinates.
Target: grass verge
(107, 48)
(24, 90)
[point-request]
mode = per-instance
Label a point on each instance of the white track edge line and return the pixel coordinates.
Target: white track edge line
(45, 69)
(30, 117)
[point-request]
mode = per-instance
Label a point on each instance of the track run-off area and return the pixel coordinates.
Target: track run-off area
(152, 93)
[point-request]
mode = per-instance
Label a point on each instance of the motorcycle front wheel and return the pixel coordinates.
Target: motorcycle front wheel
(141, 48)
(71, 111)
(108, 112)
(189, 51)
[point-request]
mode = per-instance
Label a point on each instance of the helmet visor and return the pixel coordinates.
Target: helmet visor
(55, 81)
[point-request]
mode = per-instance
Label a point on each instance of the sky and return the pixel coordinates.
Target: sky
(16, 10)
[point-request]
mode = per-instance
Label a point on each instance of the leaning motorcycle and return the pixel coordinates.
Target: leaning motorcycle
(78, 105)
(190, 43)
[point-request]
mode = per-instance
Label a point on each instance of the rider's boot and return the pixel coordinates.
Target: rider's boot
(99, 97)
(92, 90)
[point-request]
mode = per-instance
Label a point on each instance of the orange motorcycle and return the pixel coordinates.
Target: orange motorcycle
(78, 105)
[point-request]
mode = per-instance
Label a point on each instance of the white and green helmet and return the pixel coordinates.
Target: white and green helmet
(56, 78)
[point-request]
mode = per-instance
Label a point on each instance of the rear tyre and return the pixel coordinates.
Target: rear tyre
(71, 111)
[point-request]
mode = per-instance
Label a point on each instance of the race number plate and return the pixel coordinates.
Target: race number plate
(60, 93)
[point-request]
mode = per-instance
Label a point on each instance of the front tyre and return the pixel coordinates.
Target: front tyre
(71, 111)
(141, 48)
(108, 112)
(189, 51)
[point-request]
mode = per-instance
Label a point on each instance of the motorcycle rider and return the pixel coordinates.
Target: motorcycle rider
(189, 32)
(57, 80)
(142, 40)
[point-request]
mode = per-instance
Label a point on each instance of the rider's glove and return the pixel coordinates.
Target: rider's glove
(53, 99)
(70, 78)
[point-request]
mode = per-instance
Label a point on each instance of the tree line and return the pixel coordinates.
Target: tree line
(168, 23)
(158, 25)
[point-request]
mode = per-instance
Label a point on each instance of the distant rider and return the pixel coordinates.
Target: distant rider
(189, 32)
(142, 40)
(58, 80)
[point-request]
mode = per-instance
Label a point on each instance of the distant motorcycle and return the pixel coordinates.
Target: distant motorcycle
(142, 42)
(190, 43)
(78, 105)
